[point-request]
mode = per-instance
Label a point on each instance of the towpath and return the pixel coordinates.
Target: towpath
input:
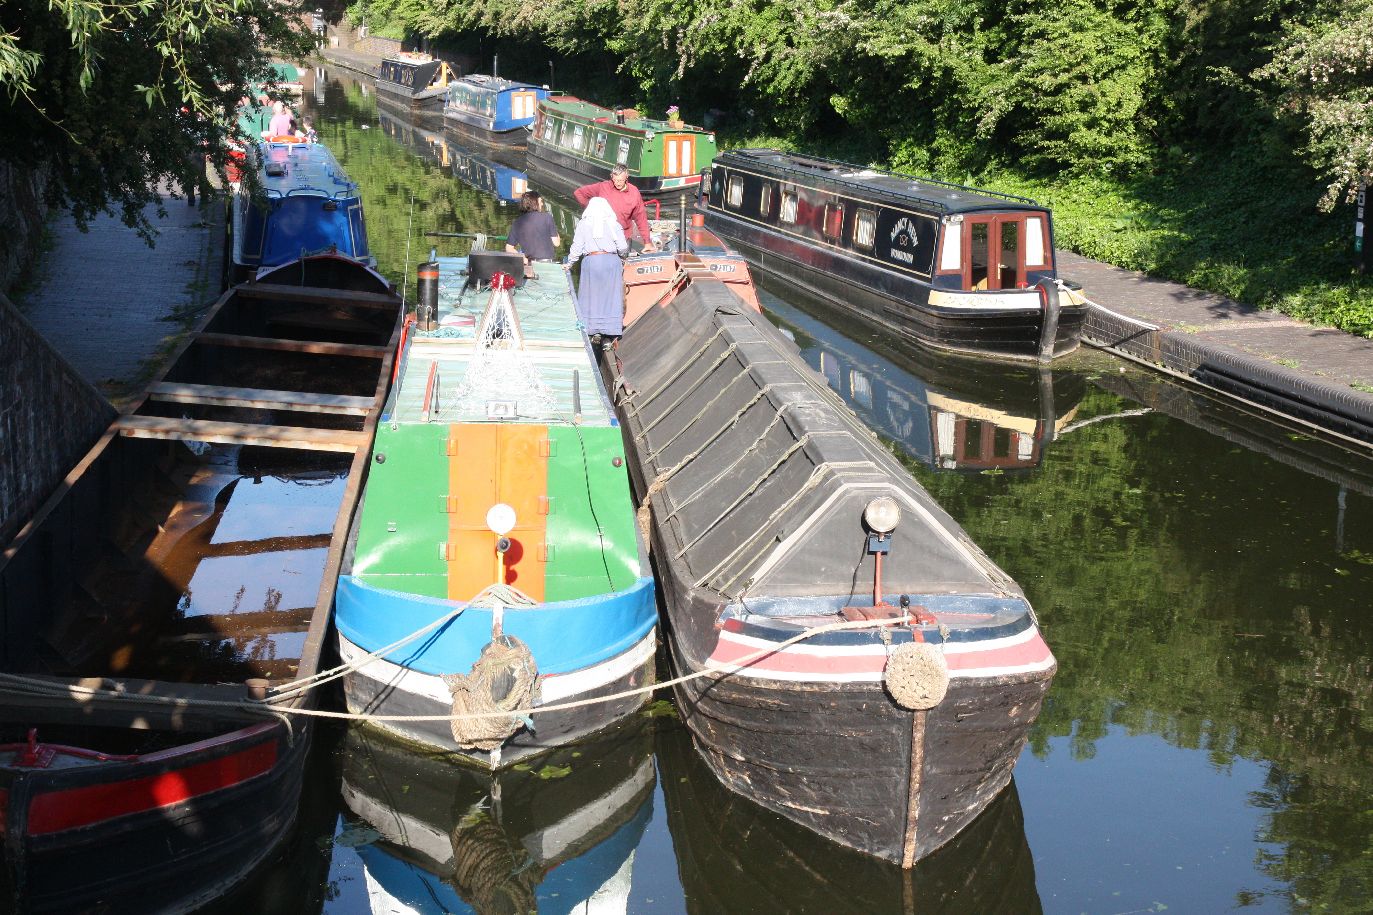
(1318, 375)
(113, 306)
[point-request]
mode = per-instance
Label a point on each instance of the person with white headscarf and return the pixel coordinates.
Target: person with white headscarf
(598, 243)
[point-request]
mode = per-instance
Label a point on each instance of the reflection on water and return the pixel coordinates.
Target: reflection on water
(436, 836)
(1203, 577)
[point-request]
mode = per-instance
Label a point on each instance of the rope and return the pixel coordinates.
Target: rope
(264, 707)
(491, 871)
(503, 678)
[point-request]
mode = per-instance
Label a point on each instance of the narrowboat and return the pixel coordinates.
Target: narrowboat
(305, 204)
(812, 586)
(414, 80)
(948, 411)
(930, 262)
(157, 609)
(648, 278)
(575, 142)
(496, 566)
(492, 110)
(557, 837)
(720, 838)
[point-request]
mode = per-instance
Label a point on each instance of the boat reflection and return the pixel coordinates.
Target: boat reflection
(947, 411)
(734, 856)
(551, 837)
(503, 180)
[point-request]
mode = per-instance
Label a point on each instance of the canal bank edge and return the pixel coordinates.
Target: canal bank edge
(1319, 376)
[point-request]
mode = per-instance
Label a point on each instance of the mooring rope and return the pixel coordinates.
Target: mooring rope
(29, 685)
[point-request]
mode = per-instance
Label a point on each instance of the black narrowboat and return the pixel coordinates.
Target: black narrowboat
(814, 589)
(183, 572)
(937, 263)
(415, 80)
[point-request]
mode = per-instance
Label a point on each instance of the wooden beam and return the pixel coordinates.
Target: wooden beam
(281, 292)
(262, 398)
(200, 430)
(316, 347)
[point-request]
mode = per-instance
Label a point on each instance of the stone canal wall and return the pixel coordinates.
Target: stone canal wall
(49, 417)
(22, 215)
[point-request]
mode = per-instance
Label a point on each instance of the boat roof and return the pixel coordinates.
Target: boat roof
(496, 83)
(302, 169)
(554, 346)
(568, 104)
(908, 189)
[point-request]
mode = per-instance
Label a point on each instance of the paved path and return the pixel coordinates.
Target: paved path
(348, 58)
(111, 305)
(1316, 374)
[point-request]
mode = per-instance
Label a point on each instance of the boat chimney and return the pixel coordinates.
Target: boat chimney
(427, 296)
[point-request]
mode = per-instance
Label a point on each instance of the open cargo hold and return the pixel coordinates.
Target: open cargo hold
(192, 550)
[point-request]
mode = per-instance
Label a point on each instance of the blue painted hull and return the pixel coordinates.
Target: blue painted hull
(588, 648)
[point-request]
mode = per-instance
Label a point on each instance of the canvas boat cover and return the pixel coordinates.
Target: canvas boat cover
(758, 474)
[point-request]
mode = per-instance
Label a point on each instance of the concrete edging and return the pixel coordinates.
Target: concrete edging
(1332, 407)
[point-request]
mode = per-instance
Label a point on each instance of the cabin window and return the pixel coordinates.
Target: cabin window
(834, 220)
(600, 144)
(734, 193)
(979, 254)
(789, 206)
(550, 127)
(864, 228)
(1034, 242)
(622, 155)
(765, 201)
(565, 138)
(1008, 264)
(522, 105)
(952, 256)
(579, 138)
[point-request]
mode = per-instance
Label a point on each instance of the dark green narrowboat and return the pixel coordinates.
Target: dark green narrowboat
(575, 142)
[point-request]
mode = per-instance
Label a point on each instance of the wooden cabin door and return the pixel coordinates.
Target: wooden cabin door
(995, 247)
(679, 155)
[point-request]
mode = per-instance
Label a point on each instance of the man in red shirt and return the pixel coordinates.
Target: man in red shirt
(624, 199)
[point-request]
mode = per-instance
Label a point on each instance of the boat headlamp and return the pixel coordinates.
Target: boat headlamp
(500, 518)
(882, 515)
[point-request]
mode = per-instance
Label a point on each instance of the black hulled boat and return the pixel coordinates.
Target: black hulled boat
(941, 264)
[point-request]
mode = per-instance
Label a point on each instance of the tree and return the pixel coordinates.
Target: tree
(1323, 71)
(115, 97)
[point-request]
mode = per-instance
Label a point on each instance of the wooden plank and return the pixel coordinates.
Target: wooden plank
(200, 430)
(281, 292)
(217, 395)
(317, 347)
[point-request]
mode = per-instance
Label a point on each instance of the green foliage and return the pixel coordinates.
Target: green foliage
(1323, 71)
(117, 97)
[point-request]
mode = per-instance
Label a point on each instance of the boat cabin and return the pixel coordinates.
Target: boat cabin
(308, 204)
(415, 72)
(492, 104)
(576, 140)
(946, 235)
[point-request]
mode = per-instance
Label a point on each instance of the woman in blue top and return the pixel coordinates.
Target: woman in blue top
(533, 232)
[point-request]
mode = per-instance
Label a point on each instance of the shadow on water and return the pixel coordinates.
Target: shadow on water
(1202, 575)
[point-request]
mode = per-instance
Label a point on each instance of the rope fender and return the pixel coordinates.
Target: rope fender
(504, 678)
(917, 675)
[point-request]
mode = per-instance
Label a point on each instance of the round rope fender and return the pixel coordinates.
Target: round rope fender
(917, 676)
(504, 678)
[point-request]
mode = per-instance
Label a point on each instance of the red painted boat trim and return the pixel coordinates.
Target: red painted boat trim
(56, 811)
(1029, 654)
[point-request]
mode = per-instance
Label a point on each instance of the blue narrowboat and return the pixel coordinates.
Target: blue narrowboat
(310, 206)
(492, 109)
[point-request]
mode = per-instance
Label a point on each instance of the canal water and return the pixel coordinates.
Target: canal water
(1204, 577)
